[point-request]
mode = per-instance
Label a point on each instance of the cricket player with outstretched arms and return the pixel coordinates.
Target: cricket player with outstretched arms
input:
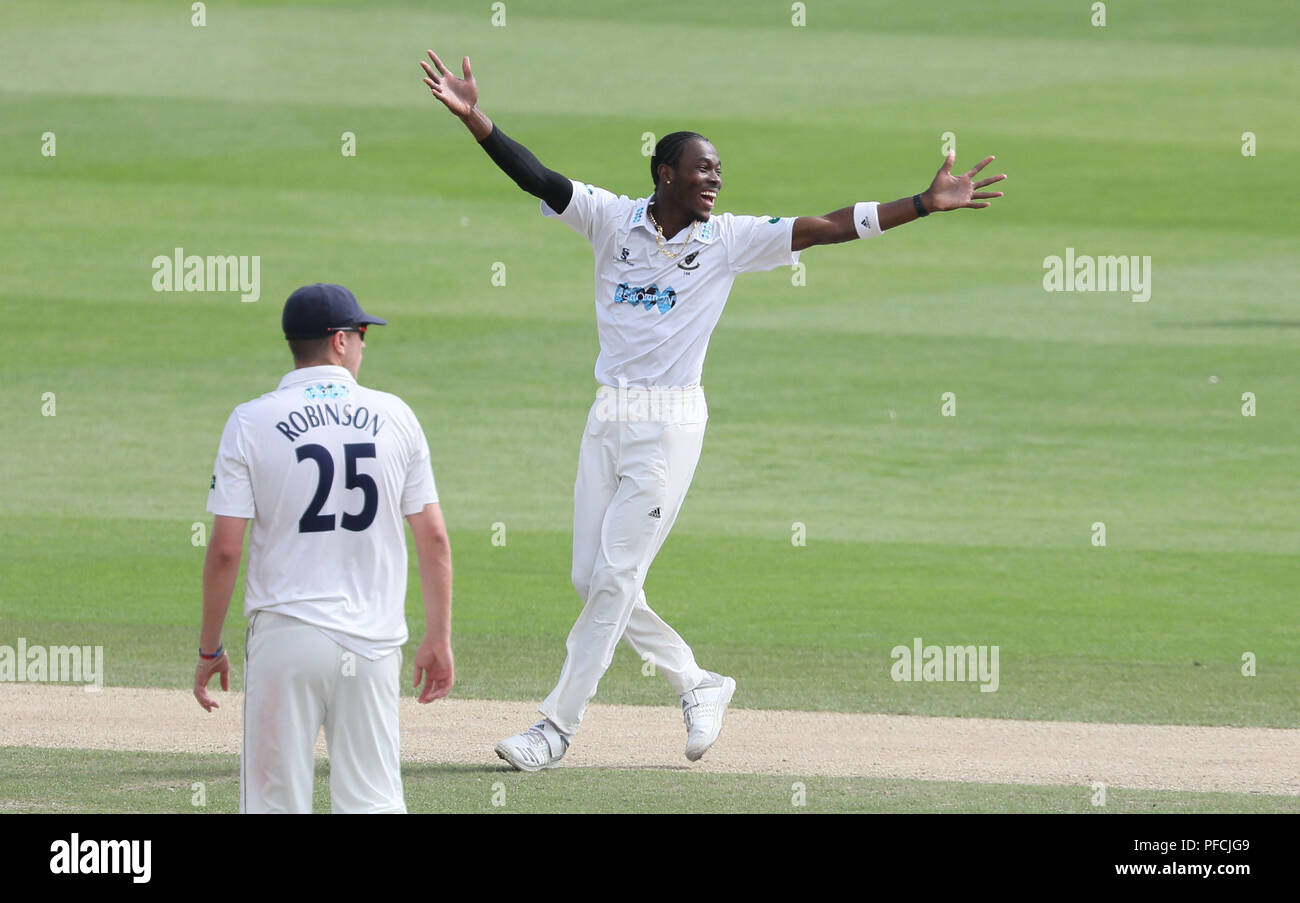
(664, 265)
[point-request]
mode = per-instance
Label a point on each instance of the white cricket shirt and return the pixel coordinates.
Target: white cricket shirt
(326, 469)
(654, 315)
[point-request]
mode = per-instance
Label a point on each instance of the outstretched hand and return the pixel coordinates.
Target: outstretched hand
(459, 95)
(949, 192)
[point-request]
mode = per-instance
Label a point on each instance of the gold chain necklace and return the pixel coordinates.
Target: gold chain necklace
(659, 236)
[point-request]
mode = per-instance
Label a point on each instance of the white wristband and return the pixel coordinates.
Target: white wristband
(866, 219)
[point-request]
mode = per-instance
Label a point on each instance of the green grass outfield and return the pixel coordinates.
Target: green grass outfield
(825, 398)
(95, 781)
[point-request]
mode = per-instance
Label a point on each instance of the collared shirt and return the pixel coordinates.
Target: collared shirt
(654, 315)
(326, 469)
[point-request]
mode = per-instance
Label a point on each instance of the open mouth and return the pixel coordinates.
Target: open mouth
(709, 198)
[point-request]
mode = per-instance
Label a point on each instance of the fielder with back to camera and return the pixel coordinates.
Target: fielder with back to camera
(326, 469)
(664, 265)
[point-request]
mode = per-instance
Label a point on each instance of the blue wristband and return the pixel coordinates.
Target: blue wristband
(221, 650)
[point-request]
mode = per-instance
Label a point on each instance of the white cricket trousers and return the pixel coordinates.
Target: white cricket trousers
(297, 679)
(634, 467)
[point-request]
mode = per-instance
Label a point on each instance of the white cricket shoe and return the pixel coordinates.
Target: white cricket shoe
(541, 746)
(702, 710)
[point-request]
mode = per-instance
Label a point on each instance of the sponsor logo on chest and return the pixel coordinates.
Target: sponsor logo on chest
(646, 296)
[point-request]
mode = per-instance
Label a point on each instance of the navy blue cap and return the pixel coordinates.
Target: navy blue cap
(313, 310)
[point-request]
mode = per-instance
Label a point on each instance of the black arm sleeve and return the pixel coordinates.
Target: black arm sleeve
(529, 174)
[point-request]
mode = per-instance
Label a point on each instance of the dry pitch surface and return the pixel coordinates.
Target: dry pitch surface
(806, 744)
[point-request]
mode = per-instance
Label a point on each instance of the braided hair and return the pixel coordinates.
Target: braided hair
(669, 151)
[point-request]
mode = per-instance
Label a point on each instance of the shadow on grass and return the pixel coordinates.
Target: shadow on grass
(429, 769)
